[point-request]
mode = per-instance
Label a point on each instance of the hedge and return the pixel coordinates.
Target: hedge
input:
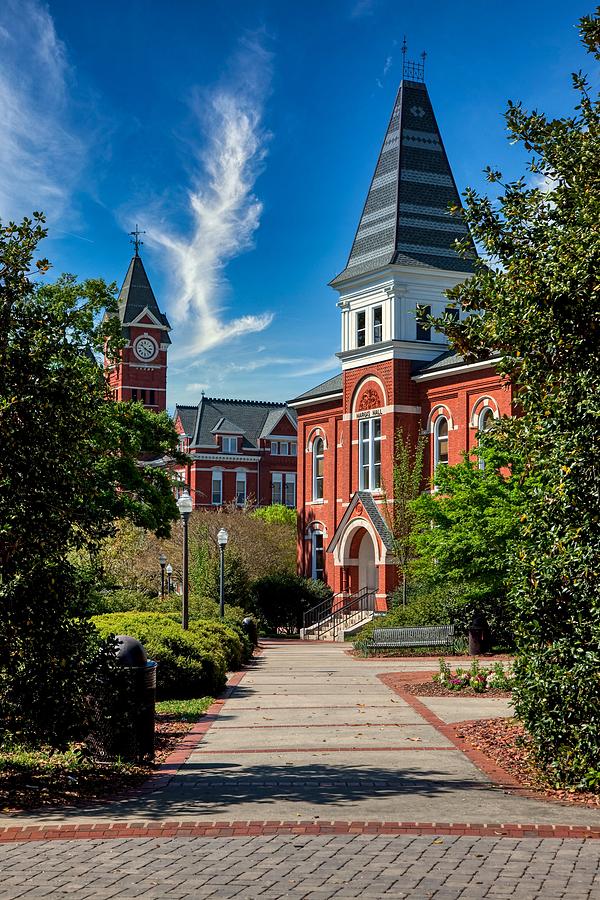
(192, 663)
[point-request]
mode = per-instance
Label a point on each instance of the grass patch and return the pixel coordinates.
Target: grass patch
(184, 710)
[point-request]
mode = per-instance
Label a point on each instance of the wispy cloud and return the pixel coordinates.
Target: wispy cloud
(224, 210)
(362, 8)
(40, 155)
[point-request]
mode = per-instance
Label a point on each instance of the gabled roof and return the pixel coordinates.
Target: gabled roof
(274, 418)
(331, 386)
(136, 295)
(405, 220)
(187, 416)
(225, 426)
(377, 520)
(247, 417)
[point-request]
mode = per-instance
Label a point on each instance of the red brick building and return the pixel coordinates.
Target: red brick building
(394, 374)
(141, 373)
(242, 451)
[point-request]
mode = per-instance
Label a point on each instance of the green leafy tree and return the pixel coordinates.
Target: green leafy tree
(464, 535)
(276, 513)
(69, 466)
(408, 478)
(538, 304)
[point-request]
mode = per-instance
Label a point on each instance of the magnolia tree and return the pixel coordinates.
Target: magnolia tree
(537, 303)
(69, 467)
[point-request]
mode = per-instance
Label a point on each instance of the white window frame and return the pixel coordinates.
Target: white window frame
(316, 494)
(274, 448)
(369, 439)
(377, 327)
(284, 448)
(313, 560)
(361, 329)
(216, 478)
(483, 415)
(424, 332)
(290, 482)
(436, 442)
(240, 478)
(227, 443)
(293, 448)
(276, 480)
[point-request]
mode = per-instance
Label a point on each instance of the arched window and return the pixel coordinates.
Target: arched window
(318, 465)
(318, 556)
(484, 421)
(440, 443)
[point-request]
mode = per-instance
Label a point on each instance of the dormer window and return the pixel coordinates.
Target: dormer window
(229, 445)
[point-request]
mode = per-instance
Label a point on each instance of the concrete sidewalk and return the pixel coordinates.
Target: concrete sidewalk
(311, 733)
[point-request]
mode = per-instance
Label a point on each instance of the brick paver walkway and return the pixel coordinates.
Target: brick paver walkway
(310, 783)
(315, 868)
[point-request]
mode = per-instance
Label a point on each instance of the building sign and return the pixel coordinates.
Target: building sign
(368, 413)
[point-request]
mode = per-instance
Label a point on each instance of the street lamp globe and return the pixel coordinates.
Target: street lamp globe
(222, 537)
(185, 504)
(162, 558)
(169, 569)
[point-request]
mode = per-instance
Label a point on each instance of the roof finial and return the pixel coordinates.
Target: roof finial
(136, 239)
(404, 50)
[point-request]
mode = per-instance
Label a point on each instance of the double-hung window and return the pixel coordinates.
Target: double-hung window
(290, 490)
(369, 448)
(318, 455)
(361, 328)
(486, 417)
(276, 487)
(284, 448)
(240, 488)
(217, 488)
(318, 556)
(424, 334)
(377, 324)
(440, 444)
(230, 445)
(453, 312)
(293, 448)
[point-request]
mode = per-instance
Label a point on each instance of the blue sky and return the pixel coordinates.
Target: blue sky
(242, 135)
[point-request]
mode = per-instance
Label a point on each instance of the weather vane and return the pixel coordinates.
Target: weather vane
(136, 239)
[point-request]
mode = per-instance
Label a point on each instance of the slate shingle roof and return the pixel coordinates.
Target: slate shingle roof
(247, 416)
(187, 416)
(331, 386)
(136, 294)
(405, 220)
(447, 360)
(377, 519)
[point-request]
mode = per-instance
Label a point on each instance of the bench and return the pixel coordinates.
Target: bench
(430, 636)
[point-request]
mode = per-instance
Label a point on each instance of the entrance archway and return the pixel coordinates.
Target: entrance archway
(367, 570)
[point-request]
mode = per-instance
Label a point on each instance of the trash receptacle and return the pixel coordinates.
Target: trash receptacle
(249, 626)
(136, 732)
(478, 635)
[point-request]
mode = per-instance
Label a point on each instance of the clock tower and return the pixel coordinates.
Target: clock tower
(141, 372)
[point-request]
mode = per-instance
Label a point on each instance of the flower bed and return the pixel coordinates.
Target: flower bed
(478, 679)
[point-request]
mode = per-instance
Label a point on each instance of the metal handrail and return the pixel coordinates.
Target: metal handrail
(361, 601)
(319, 612)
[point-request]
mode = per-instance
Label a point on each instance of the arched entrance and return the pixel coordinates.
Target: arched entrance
(367, 570)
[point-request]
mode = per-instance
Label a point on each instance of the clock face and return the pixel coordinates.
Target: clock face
(145, 348)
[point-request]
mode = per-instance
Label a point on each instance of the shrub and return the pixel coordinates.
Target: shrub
(281, 599)
(125, 600)
(191, 663)
(479, 679)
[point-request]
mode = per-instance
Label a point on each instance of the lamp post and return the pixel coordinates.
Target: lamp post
(222, 539)
(163, 561)
(185, 508)
(169, 571)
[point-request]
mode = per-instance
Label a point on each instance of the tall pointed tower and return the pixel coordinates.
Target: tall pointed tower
(142, 372)
(402, 254)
